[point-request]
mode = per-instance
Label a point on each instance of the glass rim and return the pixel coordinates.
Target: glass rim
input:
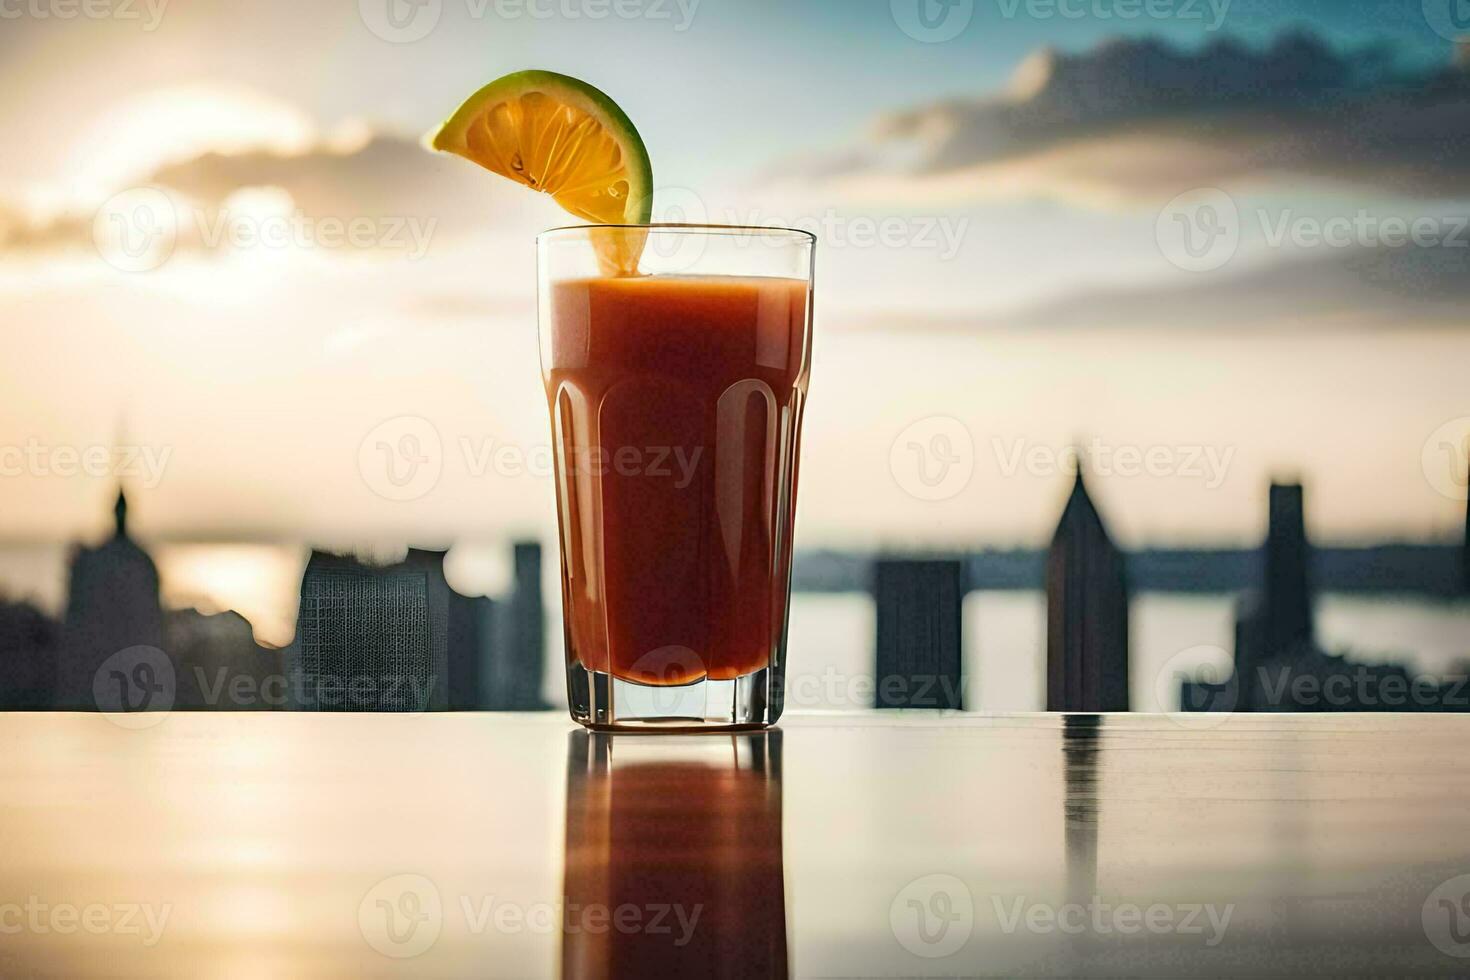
(697, 228)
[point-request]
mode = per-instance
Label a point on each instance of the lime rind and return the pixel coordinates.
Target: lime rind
(451, 136)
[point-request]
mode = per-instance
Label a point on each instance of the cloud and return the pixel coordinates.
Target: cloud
(1378, 288)
(23, 233)
(384, 180)
(1134, 119)
(383, 175)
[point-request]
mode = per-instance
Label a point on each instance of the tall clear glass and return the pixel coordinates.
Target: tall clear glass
(676, 395)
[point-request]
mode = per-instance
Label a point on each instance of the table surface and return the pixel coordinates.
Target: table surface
(446, 845)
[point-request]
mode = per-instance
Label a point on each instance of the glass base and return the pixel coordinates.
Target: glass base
(607, 703)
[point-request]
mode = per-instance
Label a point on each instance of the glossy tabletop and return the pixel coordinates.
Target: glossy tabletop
(448, 845)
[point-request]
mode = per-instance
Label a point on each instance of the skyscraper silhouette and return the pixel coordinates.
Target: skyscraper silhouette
(1086, 613)
(1288, 590)
(517, 665)
(919, 606)
(372, 638)
(27, 656)
(112, 605)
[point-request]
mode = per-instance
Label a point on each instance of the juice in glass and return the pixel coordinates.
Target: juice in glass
(675, 404)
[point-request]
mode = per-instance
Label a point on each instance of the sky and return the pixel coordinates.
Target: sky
(1017, 255)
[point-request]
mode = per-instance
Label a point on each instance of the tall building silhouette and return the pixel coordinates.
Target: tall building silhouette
(1288, 596)
(27, 656)
(516, 666)
(1278, 665)
(409, 642)
(219, 665)
(1086, 612)
(112, 605)
(919, 606)
(372, 638)
(473, 623)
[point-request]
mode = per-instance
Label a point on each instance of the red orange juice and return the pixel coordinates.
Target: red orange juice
(676, 405)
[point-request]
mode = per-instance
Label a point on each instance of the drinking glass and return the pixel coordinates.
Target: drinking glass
(676, 396)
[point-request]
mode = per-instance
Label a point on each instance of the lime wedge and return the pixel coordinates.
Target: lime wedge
(558, 135)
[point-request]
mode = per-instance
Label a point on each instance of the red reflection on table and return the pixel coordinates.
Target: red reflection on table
(673, 857)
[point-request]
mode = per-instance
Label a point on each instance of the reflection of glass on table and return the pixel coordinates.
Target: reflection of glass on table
(673, 857)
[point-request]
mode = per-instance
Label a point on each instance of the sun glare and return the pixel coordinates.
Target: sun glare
(137, 137)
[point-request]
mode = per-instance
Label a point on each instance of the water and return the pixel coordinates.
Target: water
(831, 644)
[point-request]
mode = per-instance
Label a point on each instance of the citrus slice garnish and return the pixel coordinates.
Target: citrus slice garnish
(558, 135)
